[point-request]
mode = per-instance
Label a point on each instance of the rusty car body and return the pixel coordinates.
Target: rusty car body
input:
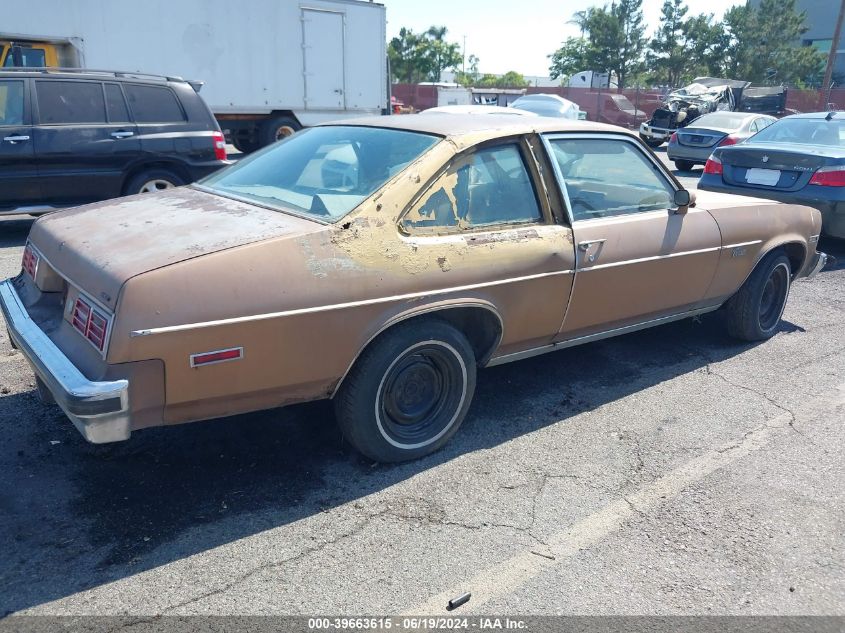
(379, 262)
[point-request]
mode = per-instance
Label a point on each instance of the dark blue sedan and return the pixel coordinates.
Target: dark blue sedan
(799, 159)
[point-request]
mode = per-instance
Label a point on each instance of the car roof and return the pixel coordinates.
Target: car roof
(86, 73)
(480, 128)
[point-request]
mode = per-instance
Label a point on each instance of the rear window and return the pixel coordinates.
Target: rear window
(66, 102)
(153, 104)
(721, 119)
(321, 172)
(804, 131)
(116, 104)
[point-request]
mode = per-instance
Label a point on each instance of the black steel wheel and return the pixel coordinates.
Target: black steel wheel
(754, 312)
(408, 392)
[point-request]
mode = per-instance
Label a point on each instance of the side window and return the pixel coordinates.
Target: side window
(489, 187)
(153, 104)
(11, 103)
(754, 128)
(606, 177)
(116, 104)
(70, 102)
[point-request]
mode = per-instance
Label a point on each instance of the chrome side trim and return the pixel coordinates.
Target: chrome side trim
(820, 262)
(739, 244)
(649, 259)
(501, 360)
(350, 304)
(427, 310)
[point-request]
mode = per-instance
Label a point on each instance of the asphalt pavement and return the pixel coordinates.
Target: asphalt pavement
(673, 471)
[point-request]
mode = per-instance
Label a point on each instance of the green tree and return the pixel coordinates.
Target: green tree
(760, 44)
(614, 42)
(684, 47)
(422, 57)
(572, 57)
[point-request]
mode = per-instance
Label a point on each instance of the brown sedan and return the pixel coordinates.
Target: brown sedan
(379, 263)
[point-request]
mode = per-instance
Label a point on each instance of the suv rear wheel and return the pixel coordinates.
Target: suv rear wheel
(152, 180)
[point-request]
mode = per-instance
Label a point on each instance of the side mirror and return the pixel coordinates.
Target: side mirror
(684, 199)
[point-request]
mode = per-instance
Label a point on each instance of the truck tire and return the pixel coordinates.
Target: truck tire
(754, 312)
(652, 142)
(408, 392)
(276, 128)
(151, 180)
(245, 145)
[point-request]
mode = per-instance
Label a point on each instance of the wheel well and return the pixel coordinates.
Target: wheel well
(481, 326)
(174, 167)
(796, 253)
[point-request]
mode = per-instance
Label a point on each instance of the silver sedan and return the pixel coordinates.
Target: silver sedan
(693, 144)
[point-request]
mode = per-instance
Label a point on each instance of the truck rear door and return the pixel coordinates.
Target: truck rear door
(323, 47)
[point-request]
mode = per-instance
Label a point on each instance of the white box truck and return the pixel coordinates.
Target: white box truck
(268, 67)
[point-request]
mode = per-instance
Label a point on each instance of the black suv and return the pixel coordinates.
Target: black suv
(68, 137)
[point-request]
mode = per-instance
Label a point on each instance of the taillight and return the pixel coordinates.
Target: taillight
(90, 323)
(219, 145)
(713, 166)
(829, 177)
(673, 138)
(729, 140)
(30, 261)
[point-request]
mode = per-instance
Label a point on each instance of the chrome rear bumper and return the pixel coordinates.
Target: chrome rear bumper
(818, 264)
(98, 409)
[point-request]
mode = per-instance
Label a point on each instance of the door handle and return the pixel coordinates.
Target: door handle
(586, 244)
(122, 134)
(16, 139)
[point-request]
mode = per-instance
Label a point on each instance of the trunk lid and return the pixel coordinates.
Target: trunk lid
(701, 137)
(100, 246)
(773, 166)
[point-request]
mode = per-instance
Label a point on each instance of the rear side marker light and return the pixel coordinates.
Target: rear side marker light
(30, 261)
(713, 166)
(217, 356)
(90, 323)
(219, 145)
(829, 177)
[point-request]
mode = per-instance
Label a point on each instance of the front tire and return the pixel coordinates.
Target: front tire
(754, 312)
(408, 392)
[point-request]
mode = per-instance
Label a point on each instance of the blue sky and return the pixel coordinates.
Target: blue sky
(514, 34)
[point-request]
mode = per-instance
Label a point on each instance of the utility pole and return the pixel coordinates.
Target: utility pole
(464, 53)
(831, 58)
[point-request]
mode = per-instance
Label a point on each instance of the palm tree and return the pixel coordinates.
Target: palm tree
(581, 19)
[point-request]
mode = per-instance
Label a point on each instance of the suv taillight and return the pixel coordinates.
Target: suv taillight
(90, 323)
(219, 145)
(30, 261)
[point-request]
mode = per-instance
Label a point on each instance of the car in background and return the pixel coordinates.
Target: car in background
(550, 105)
(444, 244)
(693, 144)
(476, 109)
(798, 159)
(70, 137)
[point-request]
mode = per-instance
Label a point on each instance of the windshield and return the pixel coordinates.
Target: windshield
(322, 172)
(804, 131)
(729, 120)
(623, 102)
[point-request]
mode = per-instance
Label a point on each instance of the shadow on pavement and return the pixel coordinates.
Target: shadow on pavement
(14, 229)
(75, 516)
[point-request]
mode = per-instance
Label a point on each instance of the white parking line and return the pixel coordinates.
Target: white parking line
(505, 577)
